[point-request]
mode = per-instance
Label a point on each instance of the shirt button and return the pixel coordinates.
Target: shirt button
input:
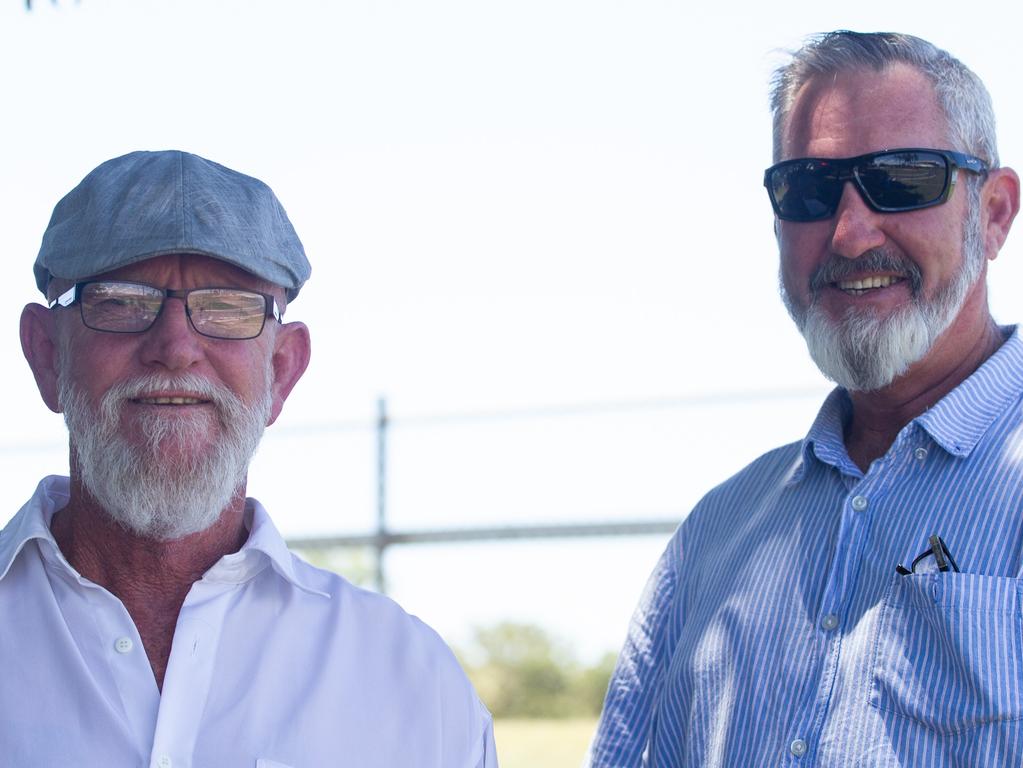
(798, 747)
(829, 622)
(859, 503)
(164, 762)
(123, 644)
(920, 453)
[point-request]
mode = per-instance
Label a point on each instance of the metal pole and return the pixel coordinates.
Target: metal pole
(380, 539)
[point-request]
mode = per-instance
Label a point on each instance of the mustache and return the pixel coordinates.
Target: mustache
(837, 268)
(225, 401)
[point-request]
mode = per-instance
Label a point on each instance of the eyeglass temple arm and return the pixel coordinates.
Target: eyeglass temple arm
(941, 554)
(67, 298)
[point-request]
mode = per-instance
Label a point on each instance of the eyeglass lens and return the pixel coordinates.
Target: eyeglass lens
(904, 179)
(811, 189)
(223, 313)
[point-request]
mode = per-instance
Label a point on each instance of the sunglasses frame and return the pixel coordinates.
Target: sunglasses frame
(73, 295)
(847, 170)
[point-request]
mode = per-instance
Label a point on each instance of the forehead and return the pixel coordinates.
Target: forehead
(860, 111)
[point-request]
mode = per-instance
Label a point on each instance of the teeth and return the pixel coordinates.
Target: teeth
(875, 281)
(170, 400)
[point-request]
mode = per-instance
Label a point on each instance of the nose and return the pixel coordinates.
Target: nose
(171, 343)
(857, 228)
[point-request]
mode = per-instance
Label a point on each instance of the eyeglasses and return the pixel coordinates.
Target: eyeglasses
(892, 181)
(122, 307)
(939, 550)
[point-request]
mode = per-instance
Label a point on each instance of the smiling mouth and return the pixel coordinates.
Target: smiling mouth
(863, 285)
(170, 401)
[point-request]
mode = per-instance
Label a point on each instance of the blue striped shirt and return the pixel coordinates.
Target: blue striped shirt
(775, 631)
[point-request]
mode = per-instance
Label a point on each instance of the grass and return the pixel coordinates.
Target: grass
(543, 743)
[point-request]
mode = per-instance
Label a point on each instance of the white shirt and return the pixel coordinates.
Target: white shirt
(275, 664)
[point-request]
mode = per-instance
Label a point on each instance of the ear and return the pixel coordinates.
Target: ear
(290, 359)
(39, 343)
(999, 206)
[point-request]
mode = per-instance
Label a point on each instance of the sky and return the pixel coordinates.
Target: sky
(537, 228)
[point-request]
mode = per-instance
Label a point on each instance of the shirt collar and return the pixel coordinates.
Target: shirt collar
(956, 422)
(960, 419)
(33, 520)
(264, 545)
(826, 438)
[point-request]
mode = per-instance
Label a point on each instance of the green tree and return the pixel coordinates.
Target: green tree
(590, 685)
(354, 563)
(519, 670)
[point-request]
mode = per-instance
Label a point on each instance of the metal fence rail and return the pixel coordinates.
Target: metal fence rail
(380, 540)
(497, 533)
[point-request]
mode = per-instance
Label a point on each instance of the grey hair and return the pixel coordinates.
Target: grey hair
(961, 94)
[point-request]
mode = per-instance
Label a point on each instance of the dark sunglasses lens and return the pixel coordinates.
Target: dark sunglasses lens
(120, 307)
(227, 314)
(805, 190)
(904, 180)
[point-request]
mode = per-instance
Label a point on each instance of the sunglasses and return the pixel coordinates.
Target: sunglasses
(122, 307)
(891, 181)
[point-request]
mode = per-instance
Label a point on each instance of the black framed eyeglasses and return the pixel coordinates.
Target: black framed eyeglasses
(123, 307)
(890, 181)
(938, 550)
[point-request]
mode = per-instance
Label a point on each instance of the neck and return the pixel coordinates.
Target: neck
(150, 577)
(879, 416)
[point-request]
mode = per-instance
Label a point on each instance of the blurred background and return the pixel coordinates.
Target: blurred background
(538, 234)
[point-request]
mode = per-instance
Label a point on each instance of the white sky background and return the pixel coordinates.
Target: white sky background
(507, 206)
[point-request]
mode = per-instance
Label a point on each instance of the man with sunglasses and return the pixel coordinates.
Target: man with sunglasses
(152, 615)
(810, 611)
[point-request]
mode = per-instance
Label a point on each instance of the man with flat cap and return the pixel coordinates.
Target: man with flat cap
(151, 614)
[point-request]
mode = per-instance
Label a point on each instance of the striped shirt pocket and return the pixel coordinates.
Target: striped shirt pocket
(949, 651)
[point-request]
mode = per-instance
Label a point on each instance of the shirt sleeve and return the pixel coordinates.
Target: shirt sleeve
(624, 728)
(488, 755)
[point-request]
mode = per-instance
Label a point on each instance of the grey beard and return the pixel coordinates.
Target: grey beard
(865, 352)
(137, 486)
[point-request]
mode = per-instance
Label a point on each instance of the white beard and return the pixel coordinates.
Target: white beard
(863, 351)
(147, 492)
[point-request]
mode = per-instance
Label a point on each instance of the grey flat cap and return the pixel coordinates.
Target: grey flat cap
(148, 204)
